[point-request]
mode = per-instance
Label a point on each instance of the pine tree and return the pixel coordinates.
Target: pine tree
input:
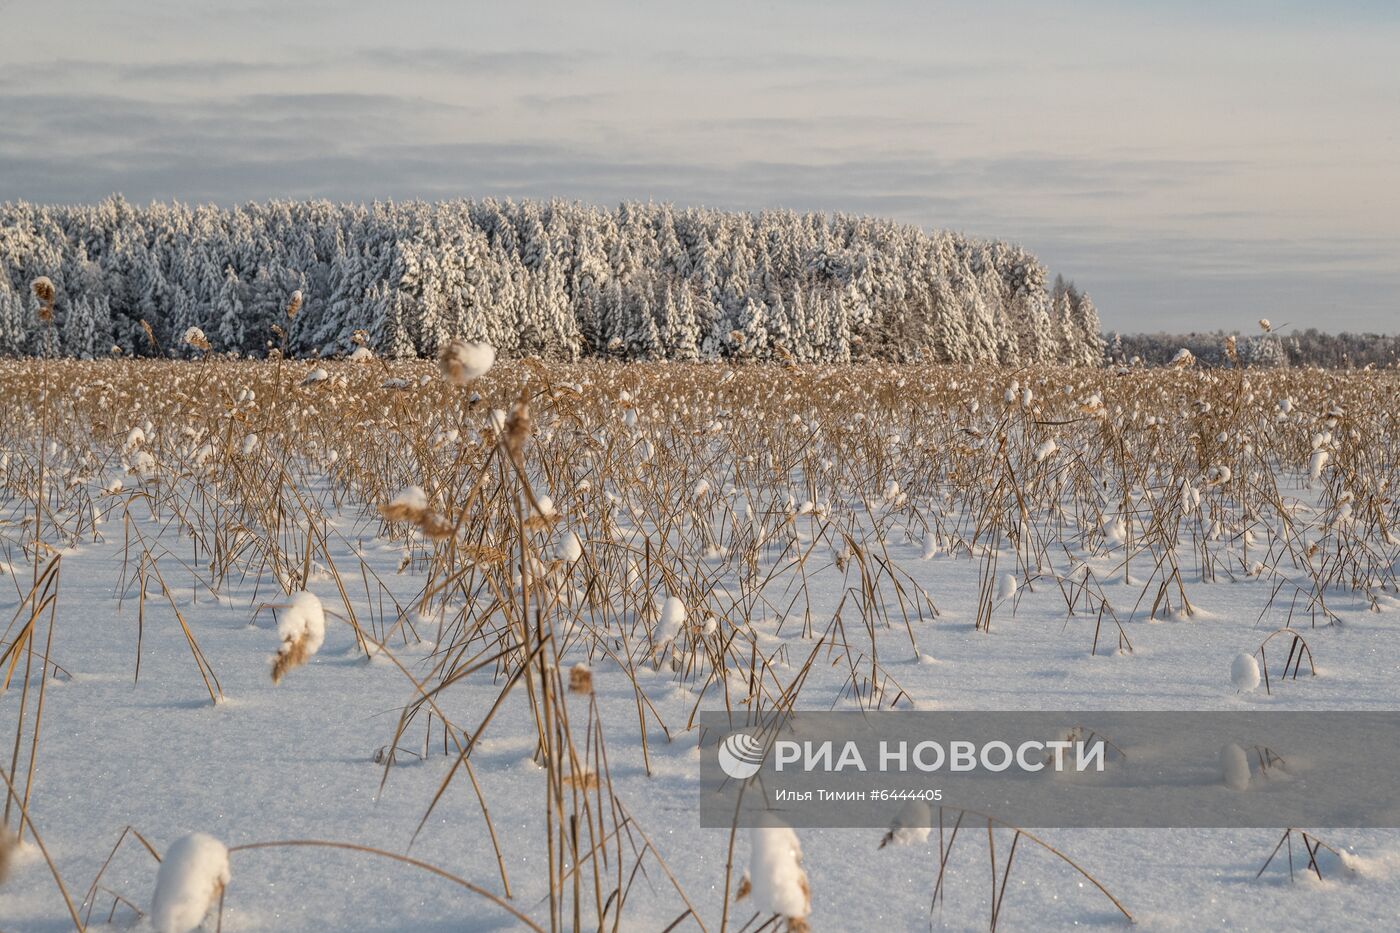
(229, 310)
(391, 311)
(680, 334)
(1115, 348)
(11, 318)
(1088, 340)
(79, 330)
(749, 339)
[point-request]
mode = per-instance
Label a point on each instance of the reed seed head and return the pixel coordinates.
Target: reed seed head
(44, 290)
(580, 679)
(194, 337)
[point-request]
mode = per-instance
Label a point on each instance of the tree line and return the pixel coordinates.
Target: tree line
(553, 279)
(1309, 347)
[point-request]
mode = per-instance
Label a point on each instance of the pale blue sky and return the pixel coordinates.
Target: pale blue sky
(1191, 166)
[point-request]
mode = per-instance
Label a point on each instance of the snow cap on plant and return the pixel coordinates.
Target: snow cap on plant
(673, 616)
(1183, 359)
(1244, 672)
(1234, 767)
(581, 679)
(571, 548)
(190, 881)
(194, 337)
(411, 505)
(302, 628)
(775, 879)
(462, 362)
(46, 293)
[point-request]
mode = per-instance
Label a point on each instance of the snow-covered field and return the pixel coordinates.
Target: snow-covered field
(698, 538)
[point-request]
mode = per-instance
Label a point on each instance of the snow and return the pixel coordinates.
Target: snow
(142, 463)
(911, 826)
(1316, 463)
(465, 361)
(775, 871)
(296, 764)
(571, 548)
(192, 873)
(1234, 767)
(301, 624)
(298, 760)
(410, 499)
(303, 618)
(673, 616)
(1244, 672)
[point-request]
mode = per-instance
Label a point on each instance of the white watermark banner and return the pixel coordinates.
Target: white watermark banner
(1053, 769)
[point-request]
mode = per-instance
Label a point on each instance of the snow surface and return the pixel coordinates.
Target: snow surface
(297, 762)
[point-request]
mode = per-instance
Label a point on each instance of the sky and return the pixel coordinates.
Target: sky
(1192, 165)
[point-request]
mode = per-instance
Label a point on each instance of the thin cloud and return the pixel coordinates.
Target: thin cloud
(468, 61)
(1162, 189)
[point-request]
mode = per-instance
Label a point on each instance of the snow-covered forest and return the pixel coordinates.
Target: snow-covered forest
(559, 280)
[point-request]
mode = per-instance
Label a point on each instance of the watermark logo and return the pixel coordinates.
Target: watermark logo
(1048, 768)
(741, 755)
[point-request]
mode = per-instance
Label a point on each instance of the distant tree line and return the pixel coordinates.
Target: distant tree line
(553, 279)
(1309, 347)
